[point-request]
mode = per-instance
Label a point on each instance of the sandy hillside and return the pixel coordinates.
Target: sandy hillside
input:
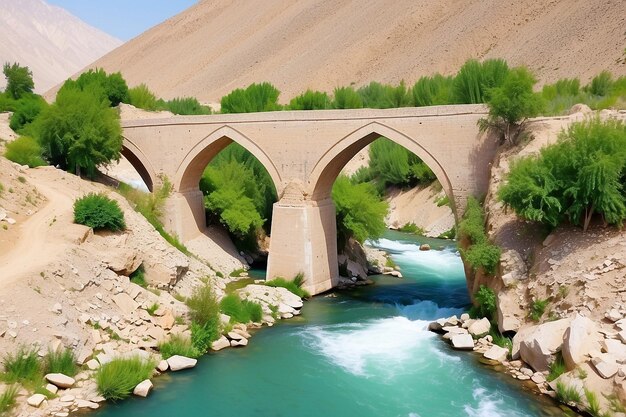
(53, 43)
(216, 46)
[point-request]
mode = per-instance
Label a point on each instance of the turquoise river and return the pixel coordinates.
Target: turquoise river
(362, 353)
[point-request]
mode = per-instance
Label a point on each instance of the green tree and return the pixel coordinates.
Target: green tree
(391, 163)
(26, 111)
(19, 80)
(511, 104)
(113, 87)
(79, 132)
(360, 212)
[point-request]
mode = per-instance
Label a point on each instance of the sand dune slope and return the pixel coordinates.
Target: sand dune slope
(216, 46)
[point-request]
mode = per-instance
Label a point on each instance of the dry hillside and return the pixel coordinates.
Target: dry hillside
(216, 46)
(53, 43)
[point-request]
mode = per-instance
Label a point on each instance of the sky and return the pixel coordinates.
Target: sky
(138, 16)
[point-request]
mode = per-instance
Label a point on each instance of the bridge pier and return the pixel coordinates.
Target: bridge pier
(304, 240)
(184, 214)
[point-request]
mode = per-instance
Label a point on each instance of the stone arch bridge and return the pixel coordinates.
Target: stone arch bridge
(303, 152)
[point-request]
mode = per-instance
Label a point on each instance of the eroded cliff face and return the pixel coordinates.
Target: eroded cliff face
(581, 278)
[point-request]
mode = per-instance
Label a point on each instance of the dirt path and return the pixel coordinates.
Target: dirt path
(39, 243)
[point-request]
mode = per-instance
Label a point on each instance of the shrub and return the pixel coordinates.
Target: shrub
(412, 228)
(255, 98)
(450, 234)
(582, 174)
(601, 84)
(241, 311)
(397, 96)
(346, 98)
(25, 151)
(567, 394)
(139, 277)
(433, 91)
(360, 212)
(557, 368)
(187, 106)
(26, 111)
(79, 132)
(142, 98)
(62, 361)
(483, 255)
(310, 100)
(99, 212)
(473, 81)
(511, 103)
(23, 366)
(442, 201)
(109, 87)
(374, 96)
(393, 164)
(500, 340)
(593, 406)
(8, 399)
(117, 379)
(178, 345)
(295, 286)
(485, 299)
(152, 309)
(202, 336)
(204, 308)
(537, 308)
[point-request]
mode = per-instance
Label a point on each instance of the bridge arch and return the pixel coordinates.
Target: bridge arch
(333, 161)
(192, 166)
(140, 162)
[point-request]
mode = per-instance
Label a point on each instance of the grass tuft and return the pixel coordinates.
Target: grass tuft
(294, 286)
(62, 361)
(178, 345)
(241, 311)
(7, 399)
(117, 379)
(557, 368)
(23, 366)
(567, 394)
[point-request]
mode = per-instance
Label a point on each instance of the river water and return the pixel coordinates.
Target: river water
(363, 353)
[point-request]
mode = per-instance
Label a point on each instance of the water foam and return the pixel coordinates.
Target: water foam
(489, 405)
(376, 347)
(427, 310)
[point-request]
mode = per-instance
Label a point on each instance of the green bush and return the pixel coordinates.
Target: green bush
(202, 336)
(79, 132)
(473, 81)
(499, 339)
(485, 299)
(601, 84)
(360, 212)
(512, 103)
(117, 379)
(142, 98)
(186, 106)
(433, 91)
(25, 151)
(204, 311)
(23, 366)
(241, 311)
(582, 174)
(295, 286)
(310, 100)
(374, 96)
(472, 226)
(139, 277)
(8, 399)
(392, 164)
(110, 87)
(346, 98)
(255, 98)
(25, 111)
(412, 228)
(537, 308)
(593, 406)
(99, 212)
(483, 255)
(178, 345)
(62, 361)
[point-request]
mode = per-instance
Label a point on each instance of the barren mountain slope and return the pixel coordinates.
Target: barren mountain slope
(217, 46)
(53, 43)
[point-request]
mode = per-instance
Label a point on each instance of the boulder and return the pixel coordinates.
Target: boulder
(496, 353)
(53, 389)
(60, 380)
(125, 303)
(605, 368)
(122, 261)
(143, 388)
(167, 321)
(241, 342)
(462, 342)
(508, 311)
(80, 403)
(580, 339)
(36, 400)
(235, 336)
(480, 327)
(162, 366)
(220, 343)
(536, 344)
(178, 363)
(424, 247)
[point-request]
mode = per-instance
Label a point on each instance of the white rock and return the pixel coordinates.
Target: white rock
(235, 336)
(480, 327)
(606, 369)
(36, 400)
(242, 342)
(613, 315)
(496, 353)
(178, 363)
(580, 339)
(57, 308)
(87, 404)
(536, 344)
(60, 380)
(462, 342)
(67, 398)
(143, 388)
(93, 364)
(163, 366)
(125, 303)
(622, 336)
(52, 388)
(465, 317)
(220, 343)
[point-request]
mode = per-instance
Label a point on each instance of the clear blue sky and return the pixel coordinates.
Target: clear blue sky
(137, 16)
